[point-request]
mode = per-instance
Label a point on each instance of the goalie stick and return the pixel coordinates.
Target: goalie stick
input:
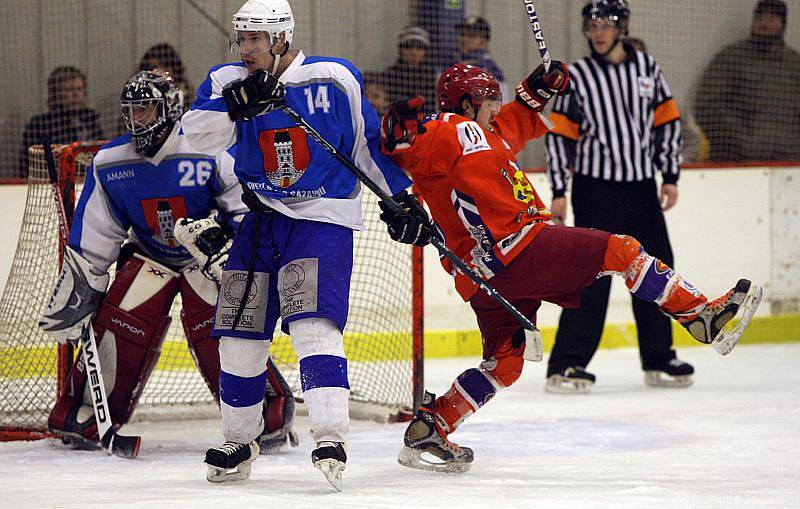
(533, 338)
(544, 53)
(112, 442)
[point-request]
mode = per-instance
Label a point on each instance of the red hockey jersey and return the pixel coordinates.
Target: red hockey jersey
(481, 199)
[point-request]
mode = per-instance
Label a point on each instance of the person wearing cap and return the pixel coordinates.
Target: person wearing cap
(412, 74)
(746, 100)
(474, 34)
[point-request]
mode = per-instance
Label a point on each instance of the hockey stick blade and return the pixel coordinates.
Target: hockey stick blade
(121, 445)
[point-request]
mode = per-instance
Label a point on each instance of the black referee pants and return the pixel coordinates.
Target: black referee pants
(629, 208)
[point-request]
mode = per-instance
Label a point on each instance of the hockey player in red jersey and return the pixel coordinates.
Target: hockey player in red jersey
(463, 162)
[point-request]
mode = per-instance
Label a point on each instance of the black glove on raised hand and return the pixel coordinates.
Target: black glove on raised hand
(260, 92)
(412, 226)
(538, 87)
(401, 123)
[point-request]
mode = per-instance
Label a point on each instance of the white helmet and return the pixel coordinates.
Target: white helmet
(271, 16)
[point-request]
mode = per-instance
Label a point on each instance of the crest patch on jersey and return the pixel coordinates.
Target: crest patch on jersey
(161, 215)
(298, 286)
(472, 138)
(286, 155)
(231, 295)
(647, 87)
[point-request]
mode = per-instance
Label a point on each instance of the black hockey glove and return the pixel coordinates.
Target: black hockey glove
(258, 93)
(413, 226)
(401, 123)
(538, 87)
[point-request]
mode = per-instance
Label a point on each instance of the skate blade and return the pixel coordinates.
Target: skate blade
(728, 339)
(219, 475)
(557, 384)
(332, 470)
(413, 458)
(661, 379)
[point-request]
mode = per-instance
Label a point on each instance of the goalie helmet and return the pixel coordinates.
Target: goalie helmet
(148, 126)
(271, 16)
(462, 81)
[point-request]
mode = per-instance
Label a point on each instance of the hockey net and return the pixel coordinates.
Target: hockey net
(378, 337)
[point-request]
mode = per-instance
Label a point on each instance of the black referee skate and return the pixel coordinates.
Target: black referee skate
(572, 380)
(708, 325)
(427, 447)
(330, 458)
(231, 462)
(674, 373)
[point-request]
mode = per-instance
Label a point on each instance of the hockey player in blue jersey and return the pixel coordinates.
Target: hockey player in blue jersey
(292, 256)
(147, 205)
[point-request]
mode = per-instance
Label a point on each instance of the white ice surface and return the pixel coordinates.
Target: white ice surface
(732, 440)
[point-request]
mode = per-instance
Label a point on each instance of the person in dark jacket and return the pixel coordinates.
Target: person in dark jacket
(67, 119)
(412, 74)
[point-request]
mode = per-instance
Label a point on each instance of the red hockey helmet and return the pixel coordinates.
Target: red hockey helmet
(462, 81)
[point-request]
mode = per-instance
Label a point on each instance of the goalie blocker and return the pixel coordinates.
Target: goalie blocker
(130, 326)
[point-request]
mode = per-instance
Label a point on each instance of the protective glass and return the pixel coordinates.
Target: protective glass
(143, 115)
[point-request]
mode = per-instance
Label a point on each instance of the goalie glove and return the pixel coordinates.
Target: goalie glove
(413, 226)
(538, 87)
(258, 93)
(78, 293)
(208, 244)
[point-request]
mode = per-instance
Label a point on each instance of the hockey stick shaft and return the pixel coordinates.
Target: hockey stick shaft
(436, 241)
(118, 445)
(544, 53)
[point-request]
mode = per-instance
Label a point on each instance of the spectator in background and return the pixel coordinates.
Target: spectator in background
(696, 148)
(473, 36)
(412, 74)
(375, 90)
(747, 98)
(163, 57)
(67, 119)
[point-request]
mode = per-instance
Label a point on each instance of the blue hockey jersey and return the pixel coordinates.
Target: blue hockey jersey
(129, 197)
(288, 170)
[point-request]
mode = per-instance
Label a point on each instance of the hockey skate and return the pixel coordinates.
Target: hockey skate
(330, 459)
(427, 447)
(674, 373)
(67, 425)
(707, 326)
(572, 380)
(231, 462)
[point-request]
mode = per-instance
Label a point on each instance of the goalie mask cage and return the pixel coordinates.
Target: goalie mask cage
(383, 338)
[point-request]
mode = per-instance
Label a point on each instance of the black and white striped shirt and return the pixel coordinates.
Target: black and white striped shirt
(619, 123)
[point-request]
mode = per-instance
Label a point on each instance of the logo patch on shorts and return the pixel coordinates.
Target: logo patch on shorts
(231, 295)
(298, 286)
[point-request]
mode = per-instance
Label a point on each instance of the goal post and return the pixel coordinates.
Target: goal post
(383, 338)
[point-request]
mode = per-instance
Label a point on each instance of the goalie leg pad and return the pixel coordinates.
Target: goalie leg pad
(279, 410)
(323, 376)
(198, 295)
(130, 325)
(242, 383)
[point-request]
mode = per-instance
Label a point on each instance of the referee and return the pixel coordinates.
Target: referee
(616, 129)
